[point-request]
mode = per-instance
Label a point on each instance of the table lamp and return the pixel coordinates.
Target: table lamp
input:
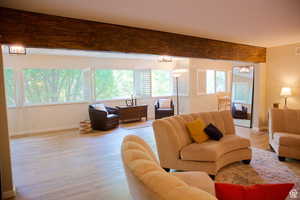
(285, 92)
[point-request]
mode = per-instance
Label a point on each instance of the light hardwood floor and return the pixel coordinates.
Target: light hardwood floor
(67, 165)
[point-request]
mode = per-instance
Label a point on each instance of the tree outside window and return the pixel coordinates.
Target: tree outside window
(161, 83)
(44, 86)
(113, 84)
(10, 87)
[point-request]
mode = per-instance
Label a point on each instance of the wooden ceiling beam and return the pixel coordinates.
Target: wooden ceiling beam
(48, 31)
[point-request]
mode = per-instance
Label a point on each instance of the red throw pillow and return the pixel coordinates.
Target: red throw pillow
(225, 191)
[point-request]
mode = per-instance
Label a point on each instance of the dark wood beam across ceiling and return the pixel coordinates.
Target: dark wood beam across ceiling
(48, 31)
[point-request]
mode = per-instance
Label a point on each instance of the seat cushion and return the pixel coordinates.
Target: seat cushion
(287, 139)
(197, 179)
(165, 109)
(211, 150)
(164, 103)
(100, 107)
(111, 116)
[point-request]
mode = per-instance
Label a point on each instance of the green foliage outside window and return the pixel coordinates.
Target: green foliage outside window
(9, 87)
(53, 85)
(161, 83)
(113, 84)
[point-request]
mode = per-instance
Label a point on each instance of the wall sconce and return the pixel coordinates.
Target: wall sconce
(17, 49)
(165, 59)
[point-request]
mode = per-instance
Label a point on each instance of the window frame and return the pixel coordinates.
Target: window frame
(198, 85)
(89, 96)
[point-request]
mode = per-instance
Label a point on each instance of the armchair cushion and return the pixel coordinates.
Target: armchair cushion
(164, 109)
(287, 139)
(164, 103)
(211, 150)
(100, 107)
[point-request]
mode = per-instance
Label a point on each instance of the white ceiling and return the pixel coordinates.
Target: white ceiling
(256, 22)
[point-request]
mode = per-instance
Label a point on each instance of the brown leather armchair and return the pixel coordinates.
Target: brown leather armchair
(239, 114)
(163, 112)
(102, 120)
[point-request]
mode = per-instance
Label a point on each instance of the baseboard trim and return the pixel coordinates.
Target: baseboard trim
(41, 132)
(263, 128)
(10, 193)
(258, 129)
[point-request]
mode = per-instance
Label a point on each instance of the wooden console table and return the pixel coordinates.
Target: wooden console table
(132, 113)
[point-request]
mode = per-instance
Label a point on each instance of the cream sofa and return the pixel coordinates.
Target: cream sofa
(284, 132)
(177, 151)
(148, 181)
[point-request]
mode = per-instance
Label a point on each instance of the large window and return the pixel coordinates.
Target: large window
(38, 86)
(113, 84)
(10, 87)
(46, 86)
(161, 83)
(215, 81)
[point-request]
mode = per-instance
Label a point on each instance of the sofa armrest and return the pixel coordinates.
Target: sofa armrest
(199, 180)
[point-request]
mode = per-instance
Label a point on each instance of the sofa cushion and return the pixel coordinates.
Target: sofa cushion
(226, 191)
(287, 139)
(213, 132)
(211, 150)
(196, 130)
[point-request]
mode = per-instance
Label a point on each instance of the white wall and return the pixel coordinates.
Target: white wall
(283, 70)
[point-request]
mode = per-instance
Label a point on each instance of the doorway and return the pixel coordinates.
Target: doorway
(242, 95)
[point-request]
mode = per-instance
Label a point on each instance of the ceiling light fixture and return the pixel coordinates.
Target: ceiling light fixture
(17, 49)
(165, 59)
(244, 70)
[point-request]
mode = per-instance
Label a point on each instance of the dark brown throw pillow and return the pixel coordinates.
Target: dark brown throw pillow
(213, 132)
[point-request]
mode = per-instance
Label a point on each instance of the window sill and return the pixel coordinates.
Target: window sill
(51, 104)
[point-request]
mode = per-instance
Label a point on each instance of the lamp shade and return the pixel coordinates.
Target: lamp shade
(286, 91)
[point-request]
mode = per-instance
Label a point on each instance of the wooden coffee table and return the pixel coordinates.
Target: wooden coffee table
(132, 113)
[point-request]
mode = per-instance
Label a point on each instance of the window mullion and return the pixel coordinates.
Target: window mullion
(20, 88)
(92, 84)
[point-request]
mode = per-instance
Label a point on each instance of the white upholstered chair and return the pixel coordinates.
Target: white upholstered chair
(148, 181)
(284, 132)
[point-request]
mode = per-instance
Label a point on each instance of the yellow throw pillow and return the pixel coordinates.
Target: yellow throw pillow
(196, 130)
